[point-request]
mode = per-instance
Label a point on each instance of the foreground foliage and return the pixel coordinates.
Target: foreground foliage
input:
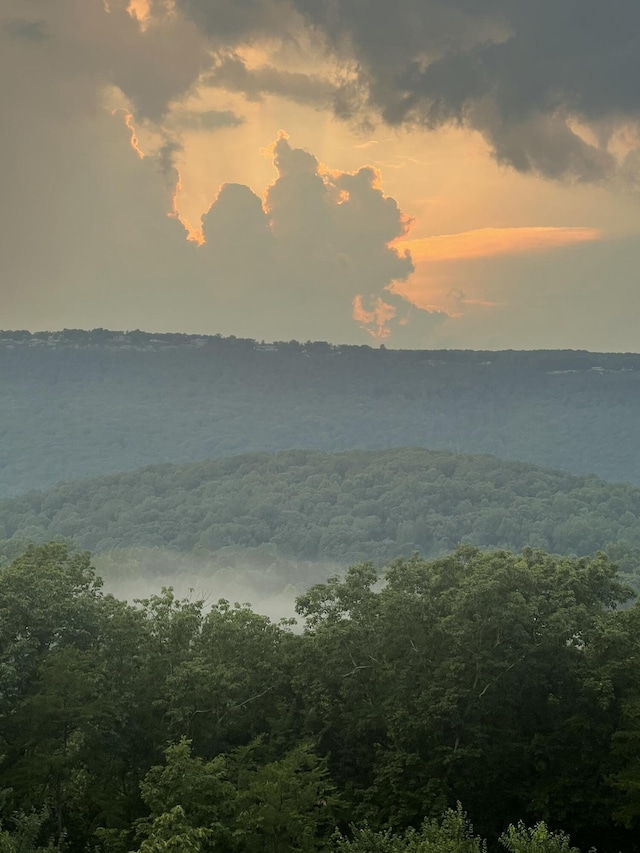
(509, 683)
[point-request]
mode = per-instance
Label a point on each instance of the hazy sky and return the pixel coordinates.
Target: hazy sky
(439, 173)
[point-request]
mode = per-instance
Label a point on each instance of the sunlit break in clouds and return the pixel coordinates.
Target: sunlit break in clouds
(140, 10)
(455, 175)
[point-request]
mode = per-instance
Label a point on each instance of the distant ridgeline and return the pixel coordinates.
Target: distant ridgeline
(79, 404)
(339, 508)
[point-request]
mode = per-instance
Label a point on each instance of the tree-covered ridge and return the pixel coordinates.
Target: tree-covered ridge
(91, 403)
(341, 507)
(509, 683)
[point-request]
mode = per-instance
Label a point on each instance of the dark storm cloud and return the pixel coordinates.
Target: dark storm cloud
(516, 70)
(520, 72)
(229, 22)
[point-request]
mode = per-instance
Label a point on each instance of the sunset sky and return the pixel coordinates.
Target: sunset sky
(423, 173)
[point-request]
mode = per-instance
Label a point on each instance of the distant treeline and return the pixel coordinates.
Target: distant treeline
(507, 683)
(77, 404)
(554, 360)
(342, 507)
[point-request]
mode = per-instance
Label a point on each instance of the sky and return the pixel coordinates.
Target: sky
(418, 173)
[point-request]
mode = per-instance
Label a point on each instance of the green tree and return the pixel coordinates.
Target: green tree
(453, 833)
(234, 684)
(288, 804)
(467, 678)
(24, 834)
(187, 798)
(50, 625)
(538, 839)
(171, 831)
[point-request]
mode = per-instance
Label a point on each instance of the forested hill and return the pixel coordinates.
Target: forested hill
(335, 507)
(80, 404)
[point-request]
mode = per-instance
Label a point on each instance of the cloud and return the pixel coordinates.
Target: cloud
(547, 84)
(518, 72)
(543, 144)
(232, 74)
(374, 320)
(28, 30)
(531, 311)
(210, 120)
(315, 254)
(229, 22)
(490, 242)
(166, 159)
(84, 232)
(78, 48)
(239, 246)
(91, 231)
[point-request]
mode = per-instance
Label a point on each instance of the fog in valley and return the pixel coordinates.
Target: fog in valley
(270, 587)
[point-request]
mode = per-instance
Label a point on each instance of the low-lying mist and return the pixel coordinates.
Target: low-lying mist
(257, 576)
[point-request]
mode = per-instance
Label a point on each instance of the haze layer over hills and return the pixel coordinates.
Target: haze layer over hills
(79, 404)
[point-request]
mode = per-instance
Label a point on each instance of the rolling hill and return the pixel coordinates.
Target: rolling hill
(335, 508)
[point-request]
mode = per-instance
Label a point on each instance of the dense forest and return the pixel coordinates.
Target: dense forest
(478, 679)
(339, 508)
(79, 404)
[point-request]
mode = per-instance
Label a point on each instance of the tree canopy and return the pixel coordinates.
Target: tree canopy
(333, 508)
(506, 682)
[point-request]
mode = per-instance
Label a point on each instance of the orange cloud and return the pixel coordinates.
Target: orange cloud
(194, 235)
(140, 10)
(133, 139)
(491, 242)
(374, 321)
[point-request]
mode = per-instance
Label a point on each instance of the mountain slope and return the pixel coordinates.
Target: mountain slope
(71, 410)
(340, 507)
